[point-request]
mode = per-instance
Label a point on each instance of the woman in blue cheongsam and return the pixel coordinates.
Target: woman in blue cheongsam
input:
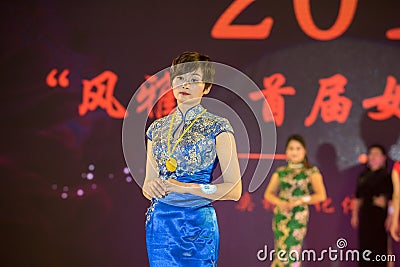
(183, 149)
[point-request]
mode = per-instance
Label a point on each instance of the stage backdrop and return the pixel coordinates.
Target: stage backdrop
(329, 69)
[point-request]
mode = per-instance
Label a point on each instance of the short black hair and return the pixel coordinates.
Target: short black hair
(200, 61)
(378, 146)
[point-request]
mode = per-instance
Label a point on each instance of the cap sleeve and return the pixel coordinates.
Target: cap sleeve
(315, 169)
(396, 167)
(149, 132)
(222, 125)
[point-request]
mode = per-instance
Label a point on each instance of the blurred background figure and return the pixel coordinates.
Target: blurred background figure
(299, 185)
(370, 209)
(394, 209)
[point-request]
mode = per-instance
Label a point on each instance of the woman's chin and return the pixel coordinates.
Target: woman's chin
(188, 101)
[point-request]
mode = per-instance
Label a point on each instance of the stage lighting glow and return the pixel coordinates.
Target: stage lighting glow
(90, 176)
(80, 192)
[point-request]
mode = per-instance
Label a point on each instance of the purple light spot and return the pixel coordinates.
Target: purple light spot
(111, 176)
(83, 175)
(126, 170)
(79, 192)
(91, 167)
(128, 179)
(94, 186)
(89, 176)
(64, 195)
(65, 188)
(54, 186)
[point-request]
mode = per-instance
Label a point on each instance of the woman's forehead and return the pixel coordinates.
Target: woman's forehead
(198, 72)
(294, 143)
(375, 150)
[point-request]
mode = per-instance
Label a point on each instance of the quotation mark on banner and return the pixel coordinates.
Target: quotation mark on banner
(62, 80)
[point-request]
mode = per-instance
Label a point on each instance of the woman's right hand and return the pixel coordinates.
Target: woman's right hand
(284, 205)
(155, 188)
(380, 201)
(394, 231)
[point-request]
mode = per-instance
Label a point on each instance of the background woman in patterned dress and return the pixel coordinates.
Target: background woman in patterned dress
(299, 185)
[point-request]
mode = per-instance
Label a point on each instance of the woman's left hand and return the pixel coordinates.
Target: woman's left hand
(380, 201)
(176, 186)
(394, 231)
(295, 203)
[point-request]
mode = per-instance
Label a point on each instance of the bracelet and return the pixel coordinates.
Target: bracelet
(390, 210)
(208, 189)
(306, 199)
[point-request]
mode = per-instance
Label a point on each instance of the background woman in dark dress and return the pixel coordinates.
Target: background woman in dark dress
(374, 189)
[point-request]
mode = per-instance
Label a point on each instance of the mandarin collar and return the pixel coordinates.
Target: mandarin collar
(191, 113)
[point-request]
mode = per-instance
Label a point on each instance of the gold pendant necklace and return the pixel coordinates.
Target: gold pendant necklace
(171, 164)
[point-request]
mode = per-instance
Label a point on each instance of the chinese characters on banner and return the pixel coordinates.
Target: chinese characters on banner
(156, 98)
(99, 92)
(388, 104)
(246, 203)
(272, 94)
(330, 102)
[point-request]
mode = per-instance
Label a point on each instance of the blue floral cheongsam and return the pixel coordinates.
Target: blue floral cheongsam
(182, 229)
